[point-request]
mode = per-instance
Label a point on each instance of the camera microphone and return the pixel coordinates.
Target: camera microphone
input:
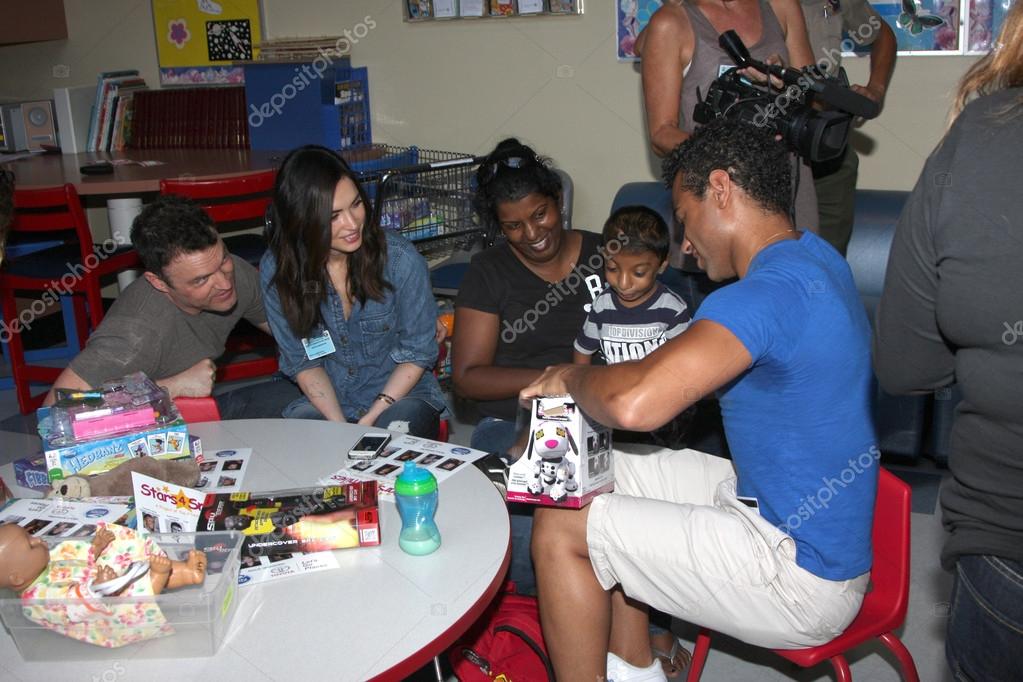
(731, 43)
(835, 94)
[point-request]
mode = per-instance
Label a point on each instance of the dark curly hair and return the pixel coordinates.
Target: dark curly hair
(754, 160)
(508, 173)
(168, 227)
(639, 229)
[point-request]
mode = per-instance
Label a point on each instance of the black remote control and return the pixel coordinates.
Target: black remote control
(99, 168)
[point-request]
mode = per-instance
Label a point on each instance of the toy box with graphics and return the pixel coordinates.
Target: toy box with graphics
(90, 432)
(97, 456)
(297, 520)
(566, 460)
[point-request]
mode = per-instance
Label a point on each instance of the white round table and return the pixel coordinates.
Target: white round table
(382, 615)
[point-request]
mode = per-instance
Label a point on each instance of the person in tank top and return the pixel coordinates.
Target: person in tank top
(681, 58)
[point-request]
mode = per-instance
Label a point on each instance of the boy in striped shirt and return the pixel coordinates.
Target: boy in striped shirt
(635, 314)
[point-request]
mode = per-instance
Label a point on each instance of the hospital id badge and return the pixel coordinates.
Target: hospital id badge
(318, 346)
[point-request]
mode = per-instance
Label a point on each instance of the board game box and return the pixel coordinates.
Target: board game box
(297, 520)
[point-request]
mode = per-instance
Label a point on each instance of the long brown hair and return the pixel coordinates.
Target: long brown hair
(999, 69)
(299, 237)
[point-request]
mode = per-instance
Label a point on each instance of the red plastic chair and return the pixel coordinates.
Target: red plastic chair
(237, 203)
(198, 409)
(884, 607)
(76, 267)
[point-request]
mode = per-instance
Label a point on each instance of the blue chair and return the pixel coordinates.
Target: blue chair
(72, 345)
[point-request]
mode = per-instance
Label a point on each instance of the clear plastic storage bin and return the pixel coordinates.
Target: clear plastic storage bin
(200, 615)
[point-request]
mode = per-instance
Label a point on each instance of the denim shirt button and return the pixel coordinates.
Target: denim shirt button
(344, 340)
(351, 371)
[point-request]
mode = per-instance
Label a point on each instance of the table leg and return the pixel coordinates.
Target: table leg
(121, 213)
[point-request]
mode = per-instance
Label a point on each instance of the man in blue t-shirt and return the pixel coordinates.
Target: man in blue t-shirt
(772, 547)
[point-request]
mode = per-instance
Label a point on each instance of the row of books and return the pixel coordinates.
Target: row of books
(111, 112)
(302, 49)
(193, 118)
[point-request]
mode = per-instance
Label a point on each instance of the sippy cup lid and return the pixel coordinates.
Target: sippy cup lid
(414, 480)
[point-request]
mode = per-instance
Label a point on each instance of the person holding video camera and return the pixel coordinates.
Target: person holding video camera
(681, 58)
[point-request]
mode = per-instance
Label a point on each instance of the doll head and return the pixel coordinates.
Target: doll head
(22, 557)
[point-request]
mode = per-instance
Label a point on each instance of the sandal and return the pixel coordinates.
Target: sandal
(675, 661)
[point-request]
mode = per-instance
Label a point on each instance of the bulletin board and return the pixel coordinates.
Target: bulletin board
(197, 41)
(921, 27)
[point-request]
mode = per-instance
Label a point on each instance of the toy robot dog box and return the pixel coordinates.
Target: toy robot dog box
(566, 460)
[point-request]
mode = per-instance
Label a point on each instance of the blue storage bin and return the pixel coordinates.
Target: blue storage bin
(288, 108)
(351, 97)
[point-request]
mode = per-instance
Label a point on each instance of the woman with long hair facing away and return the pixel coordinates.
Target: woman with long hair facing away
(350, 304)
(951, 312)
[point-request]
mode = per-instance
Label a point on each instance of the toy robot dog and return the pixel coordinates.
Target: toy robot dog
(553, 472)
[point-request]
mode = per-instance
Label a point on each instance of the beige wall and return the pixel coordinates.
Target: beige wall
(464, 85)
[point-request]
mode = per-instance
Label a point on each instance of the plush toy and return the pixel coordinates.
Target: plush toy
(553, 471)
(63, 588)
(117, 481)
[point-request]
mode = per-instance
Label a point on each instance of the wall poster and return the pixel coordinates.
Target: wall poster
(197, 41)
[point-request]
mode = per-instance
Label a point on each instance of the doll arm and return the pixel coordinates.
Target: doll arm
(101, 541)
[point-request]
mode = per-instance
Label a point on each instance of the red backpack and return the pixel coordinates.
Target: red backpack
(505, 644)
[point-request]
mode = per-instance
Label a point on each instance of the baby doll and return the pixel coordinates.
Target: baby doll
(117, 562)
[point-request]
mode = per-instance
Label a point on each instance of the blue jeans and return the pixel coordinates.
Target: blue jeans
(498, 435)
(265, 400)
(410, 415)
(985, 626)
(493, 435)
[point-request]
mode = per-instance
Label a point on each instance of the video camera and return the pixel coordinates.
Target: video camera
(814, 135)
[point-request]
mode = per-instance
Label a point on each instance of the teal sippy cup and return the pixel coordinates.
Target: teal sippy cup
(415, 493)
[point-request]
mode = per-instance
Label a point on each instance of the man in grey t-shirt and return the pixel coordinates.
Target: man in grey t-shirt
(174, 321)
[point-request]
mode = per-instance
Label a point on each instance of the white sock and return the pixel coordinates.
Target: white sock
(620, 671)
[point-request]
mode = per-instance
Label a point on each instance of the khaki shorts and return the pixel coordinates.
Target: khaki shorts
(675, 537)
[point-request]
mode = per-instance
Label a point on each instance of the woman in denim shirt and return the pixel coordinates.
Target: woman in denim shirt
(348, 303)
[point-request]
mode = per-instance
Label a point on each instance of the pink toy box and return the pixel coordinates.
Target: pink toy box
(90, 432)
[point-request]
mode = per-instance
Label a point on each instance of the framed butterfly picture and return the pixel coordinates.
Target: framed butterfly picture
(926, 26)
(923, 27)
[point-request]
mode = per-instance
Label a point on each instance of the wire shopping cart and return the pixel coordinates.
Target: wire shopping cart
(424, 194)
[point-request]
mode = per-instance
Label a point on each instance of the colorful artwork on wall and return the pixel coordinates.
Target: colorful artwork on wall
(922, 27)
(632, 17)
(197, 41)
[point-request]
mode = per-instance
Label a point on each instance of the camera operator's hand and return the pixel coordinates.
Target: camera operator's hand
(758, 76)
(874, 92)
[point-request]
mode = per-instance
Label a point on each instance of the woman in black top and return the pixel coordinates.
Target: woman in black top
(522, 301)
(520, 305)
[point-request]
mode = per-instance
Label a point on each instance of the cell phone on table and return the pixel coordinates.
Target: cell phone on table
(369, 446)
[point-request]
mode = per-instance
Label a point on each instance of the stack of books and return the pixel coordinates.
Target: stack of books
(193, 118)
(109, 128)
